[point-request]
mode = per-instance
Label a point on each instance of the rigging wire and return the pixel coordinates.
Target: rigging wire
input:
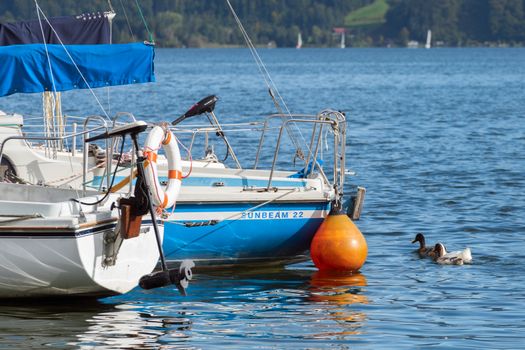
(40, 11)
(47, 124)
(127, 20)
(272, 87)
(45, 46)
(108, 191)
(145, 23)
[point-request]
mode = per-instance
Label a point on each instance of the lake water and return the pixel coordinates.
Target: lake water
(438, 139)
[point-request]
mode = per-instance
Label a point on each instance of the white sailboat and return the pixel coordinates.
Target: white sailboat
(299, 41)
(224, 215)
(429, 39)
(58, 240)
(341, 31)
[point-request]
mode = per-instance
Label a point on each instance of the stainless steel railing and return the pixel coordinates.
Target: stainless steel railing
(71, 136)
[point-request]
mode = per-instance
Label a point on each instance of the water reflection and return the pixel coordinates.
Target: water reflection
(129, 326)
(341, 293)
(46, 323)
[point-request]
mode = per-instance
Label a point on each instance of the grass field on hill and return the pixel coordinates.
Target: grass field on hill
(368, 15)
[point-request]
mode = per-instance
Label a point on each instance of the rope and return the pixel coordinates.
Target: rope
(245, 211)
(74, 176)
(190, 158)
(21, 218)
(268, 80)
(127, 20)
(144, 21)
(106, 195)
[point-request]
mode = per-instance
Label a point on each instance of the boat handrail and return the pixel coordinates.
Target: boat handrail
(337, 121)
(196, 130)
(115, 141)
(266, 128)
(277, 147)
(118, 115)
(48, 138)
(216, 128)
(25, 137)
(109, 154)
(197, 127)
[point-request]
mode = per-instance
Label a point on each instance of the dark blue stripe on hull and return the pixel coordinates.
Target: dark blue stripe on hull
(29, 233)
(182, 207)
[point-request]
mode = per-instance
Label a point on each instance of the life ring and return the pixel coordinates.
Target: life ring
(157, 138)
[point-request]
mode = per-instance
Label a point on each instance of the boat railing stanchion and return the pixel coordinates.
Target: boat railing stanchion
(74, 141)
(85, 160)
(220, 132)
(263, 132)
(266, 128)
(314, 161)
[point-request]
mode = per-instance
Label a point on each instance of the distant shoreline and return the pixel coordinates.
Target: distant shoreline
(350, 47)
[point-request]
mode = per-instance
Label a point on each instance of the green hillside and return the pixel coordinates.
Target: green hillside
(209, 23)
(368, 15)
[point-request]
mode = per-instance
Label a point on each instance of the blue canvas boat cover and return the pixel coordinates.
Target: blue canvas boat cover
(25, 68)
(90, 28)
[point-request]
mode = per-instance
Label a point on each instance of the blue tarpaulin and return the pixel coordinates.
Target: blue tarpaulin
(25, 68)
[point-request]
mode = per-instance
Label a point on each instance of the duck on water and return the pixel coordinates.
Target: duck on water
(423, 250)
(459, 257)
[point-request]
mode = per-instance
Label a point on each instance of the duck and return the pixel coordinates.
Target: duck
(459, 257)
(424, 250)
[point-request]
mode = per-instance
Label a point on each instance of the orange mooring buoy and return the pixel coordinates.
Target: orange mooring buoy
(338, 245)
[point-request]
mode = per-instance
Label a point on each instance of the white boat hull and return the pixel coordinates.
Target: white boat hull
(53, 266)
(52, 248)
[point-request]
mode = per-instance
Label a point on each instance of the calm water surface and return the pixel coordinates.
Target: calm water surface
(438, 139)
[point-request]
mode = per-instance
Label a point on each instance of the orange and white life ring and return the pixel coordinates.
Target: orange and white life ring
(157, 138)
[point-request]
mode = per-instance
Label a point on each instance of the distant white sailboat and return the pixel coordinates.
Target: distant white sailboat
(342, 31)
(429, 39)
(299, 41)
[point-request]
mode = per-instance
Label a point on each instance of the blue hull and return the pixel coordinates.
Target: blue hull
(275, 233)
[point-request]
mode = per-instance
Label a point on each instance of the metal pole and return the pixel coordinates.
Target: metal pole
(307, 160)
(230, 149)
(85, 162)
(314, 160)
(260, 144)
(140, 170)
(109, 156)
(275, 157)
(74, 141)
